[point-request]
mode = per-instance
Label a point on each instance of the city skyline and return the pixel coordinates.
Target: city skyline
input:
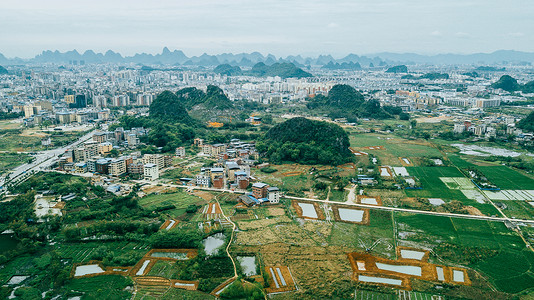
(276, 27)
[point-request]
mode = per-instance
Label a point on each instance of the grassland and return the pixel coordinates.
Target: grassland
(180, 199)
(432, 185)
(11, 160)
(395, 147)
(507, 179)
(108, 286)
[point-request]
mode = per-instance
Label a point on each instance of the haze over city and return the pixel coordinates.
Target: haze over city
(269, 149)
(277, 27)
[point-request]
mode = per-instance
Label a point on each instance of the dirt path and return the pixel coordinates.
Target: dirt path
(351, 197)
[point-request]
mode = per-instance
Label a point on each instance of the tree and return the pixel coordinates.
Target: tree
(413, 123)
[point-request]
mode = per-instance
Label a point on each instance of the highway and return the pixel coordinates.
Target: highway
(43, 160)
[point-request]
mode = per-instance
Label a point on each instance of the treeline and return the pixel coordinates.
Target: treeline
(113, 230)
(12, 115)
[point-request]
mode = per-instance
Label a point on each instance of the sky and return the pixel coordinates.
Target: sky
(279, 27)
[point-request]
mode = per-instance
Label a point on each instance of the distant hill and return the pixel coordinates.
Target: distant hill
(284, 70)
(510, 84)
(213, 99)
(307, 142)
(429, 76)
(344, 101)
(226, 69)
(397, 69)
(342, 66)
(3, 71)
(177, 57)
(507, 83)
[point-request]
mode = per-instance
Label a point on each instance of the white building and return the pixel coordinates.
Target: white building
(117, 167)
(180, 151)
(133, 140)
(273, 194)
(203, 180)
(459, 128)
(151, 172)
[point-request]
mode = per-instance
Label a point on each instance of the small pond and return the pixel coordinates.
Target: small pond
(457, 276)
(248, 264)
(411, 254)
(352, 215)
(88, 269)
(213, 243)
(404, 269)
(175, 255)
(308, 210)
(379, 280)
(143, 268)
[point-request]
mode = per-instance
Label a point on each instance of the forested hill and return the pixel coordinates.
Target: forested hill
(167, 107)
(527, 124)
(214, 98)
(344, 101)
(307, 142)
(510, 84)
(284, 70)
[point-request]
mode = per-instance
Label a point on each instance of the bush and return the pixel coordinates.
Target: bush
(175, 239)
(268, 170)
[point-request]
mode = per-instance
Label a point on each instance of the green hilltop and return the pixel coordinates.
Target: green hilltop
(307, 142)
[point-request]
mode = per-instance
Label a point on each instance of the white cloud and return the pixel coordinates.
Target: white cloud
(462, 35)
(332, 25)
(436, 33)
(516, 34)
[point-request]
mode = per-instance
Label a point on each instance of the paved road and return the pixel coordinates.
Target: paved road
(43, 160)
(414, 211)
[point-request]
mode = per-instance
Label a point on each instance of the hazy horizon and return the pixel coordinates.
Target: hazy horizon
(282, 28)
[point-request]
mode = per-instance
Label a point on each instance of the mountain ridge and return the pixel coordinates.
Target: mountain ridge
(178, 57)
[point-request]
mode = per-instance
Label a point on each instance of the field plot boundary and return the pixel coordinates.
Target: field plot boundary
(185, 284)
(212, 211)
(282, 281)
(404, 163)
(169, 224)
(461, 182)
(366, 264)
(218, 290)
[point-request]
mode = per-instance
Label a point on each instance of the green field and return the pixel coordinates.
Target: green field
(11, 160)
(511, 270)
(180, 199)
(506, 178)
(364, 236)
(107, 286)
(432, 185)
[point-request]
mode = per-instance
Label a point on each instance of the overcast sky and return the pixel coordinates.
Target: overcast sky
(280, 27)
